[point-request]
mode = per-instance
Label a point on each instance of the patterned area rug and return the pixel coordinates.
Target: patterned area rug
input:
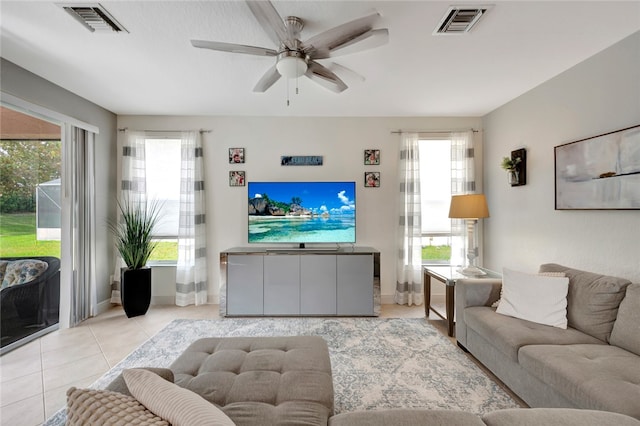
(376, 363)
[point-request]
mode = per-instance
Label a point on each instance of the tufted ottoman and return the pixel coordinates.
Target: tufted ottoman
(261, 380)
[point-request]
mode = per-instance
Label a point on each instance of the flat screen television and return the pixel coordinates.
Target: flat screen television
(302, 212)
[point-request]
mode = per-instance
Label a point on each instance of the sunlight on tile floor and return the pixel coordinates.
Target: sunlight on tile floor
(34, 378)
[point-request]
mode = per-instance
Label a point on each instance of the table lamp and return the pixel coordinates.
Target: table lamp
(470, 207)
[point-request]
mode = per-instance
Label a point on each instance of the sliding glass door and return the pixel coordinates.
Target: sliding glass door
(30, 225)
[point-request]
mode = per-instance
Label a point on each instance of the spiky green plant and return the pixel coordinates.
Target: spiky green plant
(134, 231)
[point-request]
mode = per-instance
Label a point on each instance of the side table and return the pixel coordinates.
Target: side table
(448, 276)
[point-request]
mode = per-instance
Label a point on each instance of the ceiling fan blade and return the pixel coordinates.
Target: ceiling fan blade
(270, 21)
(234, 48)
(324, 77)
(337, 36)
(345, 70)
(368, 40)
(268, 79)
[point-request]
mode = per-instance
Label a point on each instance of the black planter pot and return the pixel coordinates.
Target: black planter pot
(135, 291)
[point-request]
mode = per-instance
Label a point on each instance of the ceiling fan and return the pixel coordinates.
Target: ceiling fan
(294, 57)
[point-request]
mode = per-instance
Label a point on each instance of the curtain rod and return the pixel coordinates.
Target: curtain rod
(398, 132)
(124, 129)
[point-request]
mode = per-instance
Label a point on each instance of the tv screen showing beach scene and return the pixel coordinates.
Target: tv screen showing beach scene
(302, 212)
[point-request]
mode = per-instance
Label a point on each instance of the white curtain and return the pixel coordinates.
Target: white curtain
(409, 289)
(80, 222)
(191, 273)
(462, 182)
(133, 187)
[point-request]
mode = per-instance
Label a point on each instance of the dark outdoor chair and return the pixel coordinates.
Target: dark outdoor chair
(32, 306)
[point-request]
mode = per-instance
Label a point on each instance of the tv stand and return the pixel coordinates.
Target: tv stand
(301, 281)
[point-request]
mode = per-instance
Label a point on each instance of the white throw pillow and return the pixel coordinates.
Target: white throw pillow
(179, 406)
(534, 298)
(542, 274)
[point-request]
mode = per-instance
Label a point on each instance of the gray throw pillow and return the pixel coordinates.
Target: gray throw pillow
(592, 301)
(626, 330)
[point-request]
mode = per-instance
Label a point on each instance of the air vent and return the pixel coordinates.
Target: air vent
(460, 20)
(94, 17)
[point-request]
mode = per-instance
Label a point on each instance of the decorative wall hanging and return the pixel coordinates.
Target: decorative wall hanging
(599, 173)
(371, 157)
(516, 167)
(236, 178)
(301, 160)
(372, 179)
(236, 155)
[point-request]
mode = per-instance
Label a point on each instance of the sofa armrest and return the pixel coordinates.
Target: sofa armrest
(473, 292)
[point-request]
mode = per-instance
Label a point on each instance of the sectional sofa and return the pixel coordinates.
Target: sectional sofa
(269, 381)
(592, 364)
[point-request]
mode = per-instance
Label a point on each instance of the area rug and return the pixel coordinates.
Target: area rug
(376, 363)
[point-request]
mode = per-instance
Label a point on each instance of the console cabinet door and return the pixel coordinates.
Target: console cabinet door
(355, 284)
(245, 285)
(281, 285)
(318, 285)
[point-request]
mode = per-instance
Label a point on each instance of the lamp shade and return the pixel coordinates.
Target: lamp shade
(469, 206)
(291, 66)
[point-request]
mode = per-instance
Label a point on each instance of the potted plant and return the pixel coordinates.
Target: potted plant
(133, 239)
(511, 166)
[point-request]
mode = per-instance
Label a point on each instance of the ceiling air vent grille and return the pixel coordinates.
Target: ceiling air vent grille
(94, 17)
(460, 20)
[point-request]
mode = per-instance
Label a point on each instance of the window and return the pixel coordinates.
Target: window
(163, 185)
(435, 187)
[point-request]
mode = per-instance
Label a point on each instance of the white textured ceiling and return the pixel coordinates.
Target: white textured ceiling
(154, 69)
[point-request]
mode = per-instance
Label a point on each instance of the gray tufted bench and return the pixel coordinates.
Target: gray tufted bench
(261, 380)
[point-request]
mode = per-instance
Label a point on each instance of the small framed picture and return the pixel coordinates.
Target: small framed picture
(372, 179)
(236, 178)
(236, 155)
(371, 157)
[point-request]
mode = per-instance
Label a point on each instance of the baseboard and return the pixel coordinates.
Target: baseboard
(104, 306)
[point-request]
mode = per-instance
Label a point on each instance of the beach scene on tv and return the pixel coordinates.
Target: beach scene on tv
(302, 212)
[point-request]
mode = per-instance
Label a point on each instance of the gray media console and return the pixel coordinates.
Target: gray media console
(305, 282)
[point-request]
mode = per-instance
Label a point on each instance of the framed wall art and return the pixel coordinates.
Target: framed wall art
(236, 155)
(599, 173)
(236, 178)
(372, 179)
(371, 157)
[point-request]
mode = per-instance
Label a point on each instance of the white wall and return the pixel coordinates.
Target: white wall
(29, 87)
(599, 95)
(341, 141)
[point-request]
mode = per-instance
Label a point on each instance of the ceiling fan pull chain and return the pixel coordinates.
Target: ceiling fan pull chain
(287, 84)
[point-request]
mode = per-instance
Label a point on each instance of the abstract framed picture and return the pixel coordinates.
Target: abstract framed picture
(372, 179)
(236, 178)
(599, 173)
(236, 155)
(371, 157)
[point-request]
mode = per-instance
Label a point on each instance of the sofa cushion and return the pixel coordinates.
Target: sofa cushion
(179, 406)
(626, 330)
(103, 407)
(508, 334)
(612, 382)
(556, 416)
(22, 271)
(406, 417)
(261, 380)
(592, 301)
(535, 298)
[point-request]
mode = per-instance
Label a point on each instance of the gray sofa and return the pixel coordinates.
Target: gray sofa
(287, 381)
(593, 364)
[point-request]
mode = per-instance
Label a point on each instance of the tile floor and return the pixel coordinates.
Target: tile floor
(34, 378)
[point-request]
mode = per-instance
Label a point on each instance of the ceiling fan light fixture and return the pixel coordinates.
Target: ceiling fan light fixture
(291, 64)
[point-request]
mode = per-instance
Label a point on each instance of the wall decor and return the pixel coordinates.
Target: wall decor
(236, 178)
(236, 155)
(371, 157)
(372, 179)
(516, 167)
(301, 160)
(599, 173)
